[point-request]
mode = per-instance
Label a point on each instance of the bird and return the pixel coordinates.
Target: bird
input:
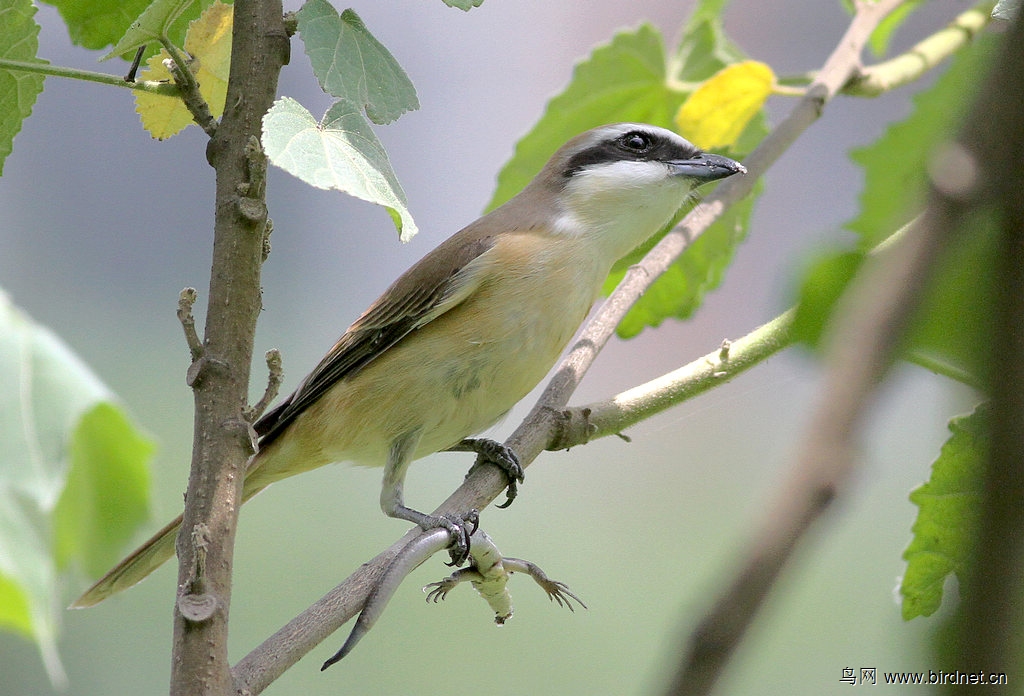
(464, 334)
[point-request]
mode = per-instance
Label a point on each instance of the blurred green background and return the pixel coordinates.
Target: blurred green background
(102, 226)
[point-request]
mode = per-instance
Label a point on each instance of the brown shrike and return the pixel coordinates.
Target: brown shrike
(468, 331)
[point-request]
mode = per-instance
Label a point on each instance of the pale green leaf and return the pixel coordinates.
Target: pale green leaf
(341, 152)
(18, 90)
(152, 24)
(62, 439)
(948, 517)
(352, 65)
(107, 493)
(47, 388)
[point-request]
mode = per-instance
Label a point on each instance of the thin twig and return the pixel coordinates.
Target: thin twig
(275, 375)
(186, 300)
(910, 65)
(580, 424)
(38, 68)
(193, 99)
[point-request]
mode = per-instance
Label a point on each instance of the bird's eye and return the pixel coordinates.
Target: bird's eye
(636, 141)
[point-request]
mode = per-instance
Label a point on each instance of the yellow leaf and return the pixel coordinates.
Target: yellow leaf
(208, 41)
(715, 114)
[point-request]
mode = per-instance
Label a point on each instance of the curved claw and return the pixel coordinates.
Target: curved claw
(458, 529)
(502, 456)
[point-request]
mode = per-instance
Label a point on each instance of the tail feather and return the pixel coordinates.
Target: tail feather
(143, 561)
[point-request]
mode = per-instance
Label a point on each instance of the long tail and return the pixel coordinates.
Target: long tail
(270, 464)
(134, 568)
(143, 561)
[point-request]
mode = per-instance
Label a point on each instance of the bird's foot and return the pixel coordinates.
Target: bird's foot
(505, 458)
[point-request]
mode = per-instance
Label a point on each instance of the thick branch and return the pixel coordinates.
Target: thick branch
(222, 441)
(993, 136)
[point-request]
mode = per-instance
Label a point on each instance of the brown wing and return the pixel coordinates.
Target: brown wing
(438, 282)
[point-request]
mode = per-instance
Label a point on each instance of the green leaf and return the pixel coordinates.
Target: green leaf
(624, 80)
(823, 284)
(352, 65)
(704, 48)
(952, 332)
(953, 321)
(949, 514)
(96, 24)
(883, 33)
(14, 610)
(341, 152)
(18, 90)
(153, 24)
(465, 5)
(57, 427)
(107, 492)
(895, 165)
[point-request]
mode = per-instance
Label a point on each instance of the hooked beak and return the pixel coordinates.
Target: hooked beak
(706, 167)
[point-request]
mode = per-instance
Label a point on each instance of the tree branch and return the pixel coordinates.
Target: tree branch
(923, 56)
(193, 99)
(222, 441)
(989, 627)
(276, 654)
(580, 424)
(39, 68)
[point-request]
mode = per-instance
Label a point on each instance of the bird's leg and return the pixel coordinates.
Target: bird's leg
(492, 452)
(392, 500)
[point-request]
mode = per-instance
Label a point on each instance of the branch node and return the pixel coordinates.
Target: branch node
(252, 204)
(194, 604)
(571, 427)
(243, 429)
(198, 369)
(723, 352)
(954, 173)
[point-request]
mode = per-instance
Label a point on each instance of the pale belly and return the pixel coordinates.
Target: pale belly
(446, 381)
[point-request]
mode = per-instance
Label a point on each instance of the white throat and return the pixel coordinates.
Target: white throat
(620, 204)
